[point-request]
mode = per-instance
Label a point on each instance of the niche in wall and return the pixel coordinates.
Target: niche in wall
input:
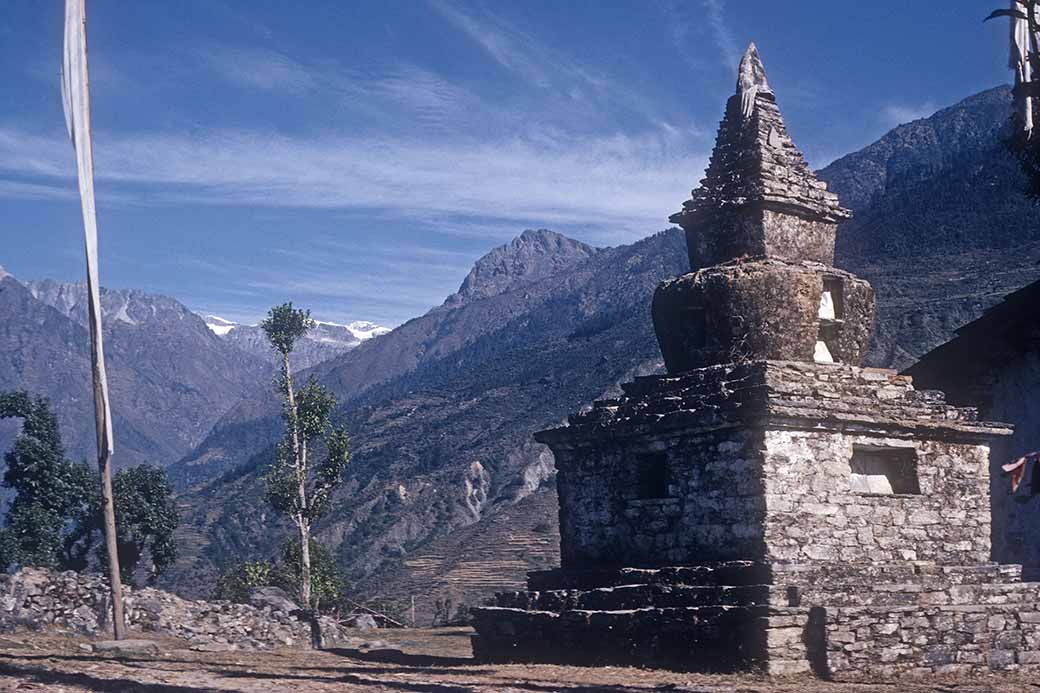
(653, 475)
(883, 471)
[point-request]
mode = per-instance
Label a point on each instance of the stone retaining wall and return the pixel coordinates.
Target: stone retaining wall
(35, 598)
(950, 639)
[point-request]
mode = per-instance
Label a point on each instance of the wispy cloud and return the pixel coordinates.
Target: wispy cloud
(897, 114)
(505, 45)
(624, 184)
(23, 190)
(725, 42)
(329, 276)
(256, 68)
(560, 76)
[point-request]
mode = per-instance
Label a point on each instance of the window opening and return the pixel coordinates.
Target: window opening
(832, 303)
(654, 478)
(884, 471)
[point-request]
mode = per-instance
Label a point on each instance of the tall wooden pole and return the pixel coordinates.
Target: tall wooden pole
(76, 101)
(114, 579)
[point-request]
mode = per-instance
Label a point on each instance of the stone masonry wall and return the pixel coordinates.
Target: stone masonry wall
(712, 511)
(811, 514)
(923, 640)
(35, 598)
(758, 461)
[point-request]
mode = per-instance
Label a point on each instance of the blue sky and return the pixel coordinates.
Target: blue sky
(357, 157)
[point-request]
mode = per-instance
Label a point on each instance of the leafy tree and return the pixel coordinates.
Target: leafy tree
(327, 585)
(297, 485)
(50, 490)
(237, 579)
(146, 518)
(56, 518)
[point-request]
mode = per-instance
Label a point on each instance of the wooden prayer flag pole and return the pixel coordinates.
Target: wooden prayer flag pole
(76, 101)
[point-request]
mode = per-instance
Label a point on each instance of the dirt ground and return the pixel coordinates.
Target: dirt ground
(426, 661)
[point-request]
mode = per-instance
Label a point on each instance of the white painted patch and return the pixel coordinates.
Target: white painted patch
(822, 354)
(827, 306)
(870, 483)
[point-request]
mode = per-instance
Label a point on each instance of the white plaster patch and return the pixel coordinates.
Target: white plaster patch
(822, 354)
(827, 306)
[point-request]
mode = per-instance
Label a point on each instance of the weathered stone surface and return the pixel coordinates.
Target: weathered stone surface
(273, 598)
(994, 364)
(34, 597)
(758, 508)
(760, 231)
(363, 622)
(759, 309)
(757, 463)
(758, 196)
(759, 466)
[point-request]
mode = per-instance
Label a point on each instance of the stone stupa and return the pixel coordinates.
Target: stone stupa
(768, 504)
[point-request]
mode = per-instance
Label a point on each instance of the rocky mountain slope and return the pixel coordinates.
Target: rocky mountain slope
(446, 494)
(531, 256)
(170, 377)
(323, 342)
(487, 301)
(441, 441)
(941, 226)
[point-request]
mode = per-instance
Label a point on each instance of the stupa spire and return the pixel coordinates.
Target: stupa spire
(751, 79)
(760, 233)
(755, 178)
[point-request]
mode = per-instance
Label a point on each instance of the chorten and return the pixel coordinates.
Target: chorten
(767, 504)
(766, 226)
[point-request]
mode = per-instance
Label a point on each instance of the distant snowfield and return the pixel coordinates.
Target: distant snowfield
(359, 330)
(219, 325)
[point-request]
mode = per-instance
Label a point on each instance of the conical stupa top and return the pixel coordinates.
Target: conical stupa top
(755, 161)
(751, 79)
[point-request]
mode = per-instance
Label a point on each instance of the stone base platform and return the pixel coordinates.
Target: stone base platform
(837, 620)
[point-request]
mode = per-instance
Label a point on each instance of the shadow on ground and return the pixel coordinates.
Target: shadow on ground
(49, 677)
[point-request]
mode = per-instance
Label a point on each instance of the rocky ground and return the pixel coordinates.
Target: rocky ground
(433, 661)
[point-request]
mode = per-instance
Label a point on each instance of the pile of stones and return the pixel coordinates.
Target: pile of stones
(35, 598)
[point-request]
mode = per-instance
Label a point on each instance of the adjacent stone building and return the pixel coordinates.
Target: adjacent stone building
(768, 504)
(994, 364)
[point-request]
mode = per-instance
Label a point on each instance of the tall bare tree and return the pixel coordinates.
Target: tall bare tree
(299, 483)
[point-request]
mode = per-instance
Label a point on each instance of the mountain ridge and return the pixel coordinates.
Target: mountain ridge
(443, 448)
(170, 377)
(325, 340)
(447, 494)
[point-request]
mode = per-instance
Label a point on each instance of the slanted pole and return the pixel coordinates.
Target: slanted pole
(75, 94)
(111, 547)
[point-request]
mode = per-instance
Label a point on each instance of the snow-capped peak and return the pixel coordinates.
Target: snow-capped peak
(363, 329)
(333, 336)
(219, 325)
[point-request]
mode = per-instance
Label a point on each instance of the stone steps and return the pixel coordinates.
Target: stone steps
(701, 638)
(730, 573)
(643, 596)
(639, 597)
